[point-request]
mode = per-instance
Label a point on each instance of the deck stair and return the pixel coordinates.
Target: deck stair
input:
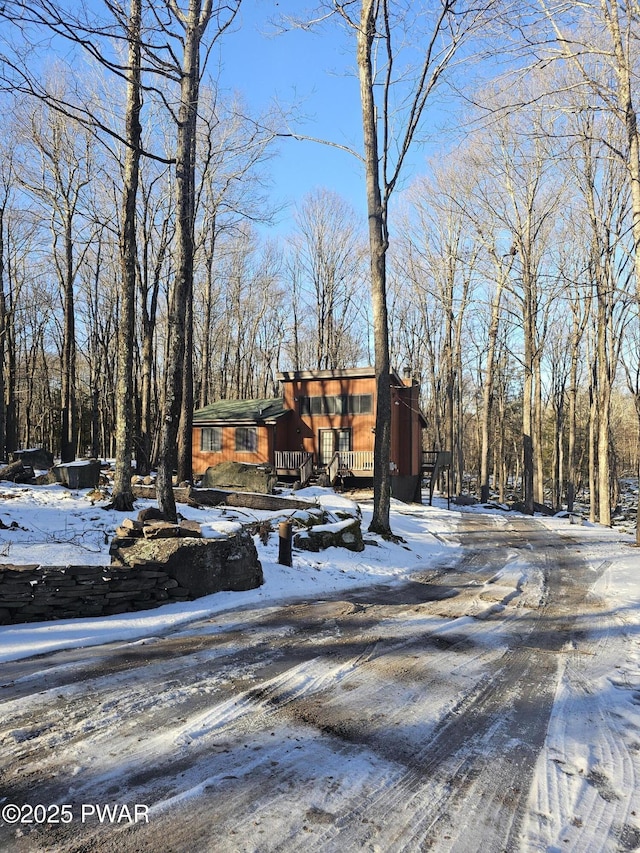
(433, 463)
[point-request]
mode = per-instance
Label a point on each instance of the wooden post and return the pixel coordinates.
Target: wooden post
(284, 544)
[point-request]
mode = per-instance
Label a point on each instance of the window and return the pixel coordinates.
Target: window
(332, 440)
(246, 439)
(362, 404)
(211, 439)
(343, 404)
(343, 441)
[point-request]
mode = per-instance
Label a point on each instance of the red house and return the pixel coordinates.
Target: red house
(324, 422)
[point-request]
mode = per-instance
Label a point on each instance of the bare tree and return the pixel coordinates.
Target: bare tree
(440, 262)
(6, 190)
(122, 491)
(155, 223)
(96, 38)
(597, 39)
(328, 252)
(232, 151)
(393, 101)
(178, 395)
(65, 155)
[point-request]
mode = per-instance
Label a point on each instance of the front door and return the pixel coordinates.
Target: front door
(327, 445)
(330, 440)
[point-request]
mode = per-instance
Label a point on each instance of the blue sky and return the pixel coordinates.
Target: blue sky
(316, 71)
(313, 71)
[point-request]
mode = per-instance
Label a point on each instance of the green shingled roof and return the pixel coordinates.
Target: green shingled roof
(237, 411)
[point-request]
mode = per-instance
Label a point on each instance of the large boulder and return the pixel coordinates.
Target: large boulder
(36, 457)
(200, 566)
(240, 477)
(340, 534)
(81, 474)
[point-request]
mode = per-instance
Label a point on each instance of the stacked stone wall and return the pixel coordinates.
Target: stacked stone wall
(42, 593)
(144, 573)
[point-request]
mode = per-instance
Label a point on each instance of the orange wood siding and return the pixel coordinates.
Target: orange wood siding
(301, 431)
(203, 459)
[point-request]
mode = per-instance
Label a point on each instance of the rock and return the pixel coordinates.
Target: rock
(132, 524)
(160, 530)
(342, 534)
(126, 532)
(46, 479)
(241, 477)
(190, 528)
(202, 566)
(519, 506)
(35, 457)
(82, 474)
(13, 470)
(121, 542)
(464, 500)
(151, 513)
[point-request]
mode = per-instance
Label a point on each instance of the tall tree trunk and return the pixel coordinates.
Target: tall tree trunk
(378, 248)
(604, 409)
(527, 401)
(487, 389)
(185, 442)
(122, 491)
(194, 23)
(593, 456)
(571, 416)
(537, 430)
(68, 428)
(627, 105)
(11, 409)
(207, 319)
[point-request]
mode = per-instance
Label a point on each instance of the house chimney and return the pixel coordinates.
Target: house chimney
(406, 375)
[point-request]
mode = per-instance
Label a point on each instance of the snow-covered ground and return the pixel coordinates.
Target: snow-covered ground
(587, 771)
(52, 525)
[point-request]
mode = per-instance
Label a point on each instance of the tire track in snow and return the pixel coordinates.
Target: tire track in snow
(460, 776)
(475, 770)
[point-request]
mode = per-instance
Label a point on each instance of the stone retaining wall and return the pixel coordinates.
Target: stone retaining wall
(42, 593)
(144, 573)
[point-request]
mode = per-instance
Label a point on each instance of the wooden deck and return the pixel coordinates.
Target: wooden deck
(301, 464)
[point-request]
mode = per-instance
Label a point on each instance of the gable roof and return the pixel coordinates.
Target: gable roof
(241, 411)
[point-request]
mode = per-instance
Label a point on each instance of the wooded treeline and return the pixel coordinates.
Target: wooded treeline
(513, 292)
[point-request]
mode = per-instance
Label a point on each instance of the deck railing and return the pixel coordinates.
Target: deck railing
(333, 468)
(343, 462)
(356, 460)
(291, 459)
(306, 469)
(295, 460)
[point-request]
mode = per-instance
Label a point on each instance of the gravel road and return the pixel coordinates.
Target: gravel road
(400, 718)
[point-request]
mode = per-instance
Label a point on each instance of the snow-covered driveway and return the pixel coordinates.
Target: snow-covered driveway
(463, 711)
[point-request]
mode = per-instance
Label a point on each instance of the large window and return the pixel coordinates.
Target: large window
(341, 404)
(246, 439)
(211, 439)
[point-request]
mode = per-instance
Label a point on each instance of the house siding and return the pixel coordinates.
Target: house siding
(293, 427)
(204, 459)
(302, 430)
(406, 438)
